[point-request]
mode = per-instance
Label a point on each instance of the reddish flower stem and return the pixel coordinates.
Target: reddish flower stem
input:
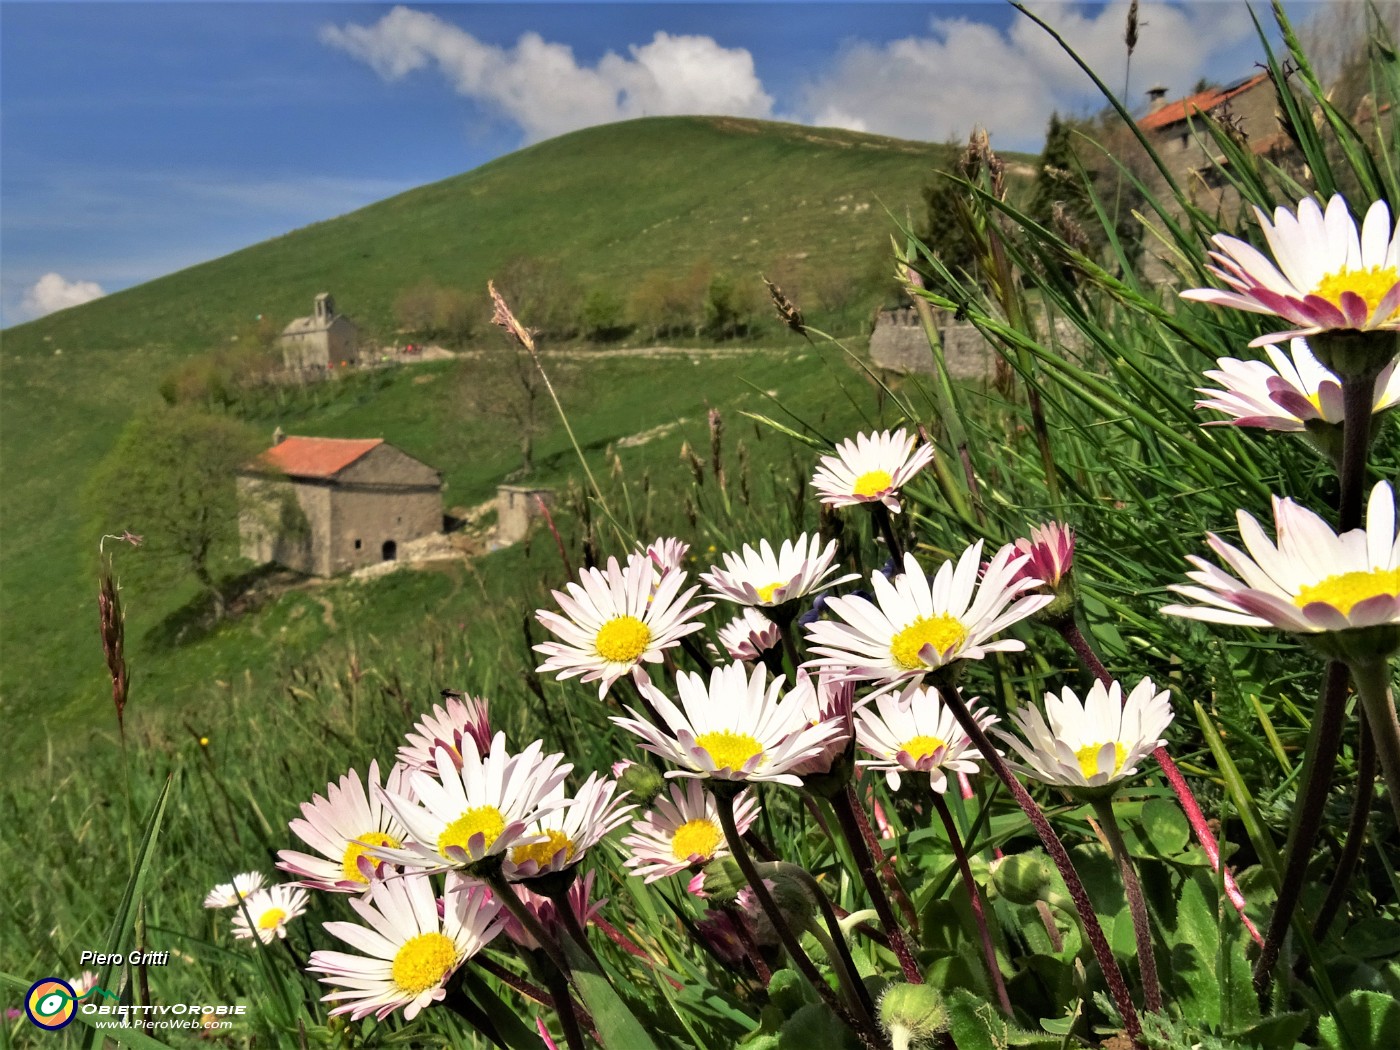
(974, 893)
(885, 864)
(843, 803)
(1356, 831)
(1113, 976)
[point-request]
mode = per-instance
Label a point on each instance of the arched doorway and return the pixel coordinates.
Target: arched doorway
(390, 550)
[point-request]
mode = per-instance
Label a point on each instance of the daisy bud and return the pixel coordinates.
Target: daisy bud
(641, 782)
(723, 881)
(1050, 559)
(1024, 878)
(913, 1015)
(788, 991)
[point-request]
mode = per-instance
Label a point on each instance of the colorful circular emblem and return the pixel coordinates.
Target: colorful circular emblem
(51, 1003)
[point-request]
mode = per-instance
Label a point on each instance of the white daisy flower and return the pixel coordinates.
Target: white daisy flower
(83, 983)
(1094, 743)
(800, 567)
(341, 827)
(570, 831)
(873, 467)
(916, 625)
(270, 910)
(913, 732)
(409, 951)
(460, 816)
(732, 728)
(682, 831)
(546, 914)
(826, 700)
(1312, 582)
(462, 723)
(1286, 395)
(1324, 275)
(666, 554)
(613, 622)
(749, 636)
(228, 894)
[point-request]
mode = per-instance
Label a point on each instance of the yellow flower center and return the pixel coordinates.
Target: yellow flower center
(943, 632)
(483, 820)
(766, 592)
(696, 838)
(543, 851)
(922, 746)
(1088, 756)
(423, 962)
(622, 640)
(1344, 591)
(729, 750)
(1371, 284)
(872, 483)
(350, 863)
(271, 919)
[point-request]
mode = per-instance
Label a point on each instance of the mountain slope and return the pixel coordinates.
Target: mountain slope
(612, 203)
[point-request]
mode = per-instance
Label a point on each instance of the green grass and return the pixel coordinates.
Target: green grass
(615, 202)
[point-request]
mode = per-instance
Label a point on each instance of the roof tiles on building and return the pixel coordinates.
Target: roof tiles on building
(314, 457)
(1195, 105)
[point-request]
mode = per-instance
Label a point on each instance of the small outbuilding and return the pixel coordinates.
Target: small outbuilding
(323, 340)
(323, 506)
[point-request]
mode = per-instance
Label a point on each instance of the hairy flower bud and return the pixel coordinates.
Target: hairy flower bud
(913, 1015)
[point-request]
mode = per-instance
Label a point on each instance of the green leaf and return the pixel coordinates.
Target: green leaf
(1165, 827)
(976, 1024)
(1362, 1021)
(506, 1018)
(618, 1027)
(125, 916)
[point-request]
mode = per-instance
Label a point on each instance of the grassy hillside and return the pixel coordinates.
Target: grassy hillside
(610, 203)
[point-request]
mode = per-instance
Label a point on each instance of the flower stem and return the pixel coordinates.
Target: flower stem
(1321, 756)
(1358, 397)
(842, 803)
(502, 891)
(1137, 904)
(1356, 830)
(1373, 685)
(837, 948)
(1113, 976)
(724, 806)
(886, 865)
(558, 986)
(881, 514)
(564, 909)
(974, 893)
(1084, 649)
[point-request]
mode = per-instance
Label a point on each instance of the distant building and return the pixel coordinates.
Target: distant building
(327, 505)
(322, 340)
(1179, 135)
(898, 344)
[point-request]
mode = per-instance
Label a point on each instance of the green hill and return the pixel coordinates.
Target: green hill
(610, 204)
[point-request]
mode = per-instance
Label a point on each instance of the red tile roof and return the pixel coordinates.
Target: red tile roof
(312, 457)
(1194, 105)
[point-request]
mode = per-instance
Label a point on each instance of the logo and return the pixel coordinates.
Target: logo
(51, 1003)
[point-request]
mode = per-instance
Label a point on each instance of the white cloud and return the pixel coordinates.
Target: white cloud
(964, 73)
(542, 87)
(54, 292)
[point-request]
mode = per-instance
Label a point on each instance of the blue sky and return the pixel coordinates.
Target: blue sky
(140, 138)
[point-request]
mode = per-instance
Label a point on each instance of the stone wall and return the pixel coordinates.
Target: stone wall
(284, 522)
(898, 344)
(516, 507)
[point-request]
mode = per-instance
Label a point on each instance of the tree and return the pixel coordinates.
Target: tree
(946, 236)
(170, 479)
(603, 315)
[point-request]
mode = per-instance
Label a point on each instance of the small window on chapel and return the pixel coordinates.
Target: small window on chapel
(357, 544)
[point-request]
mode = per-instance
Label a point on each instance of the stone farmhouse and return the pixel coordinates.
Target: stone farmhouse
(1178, 133)
(328, 505)
(322, 340)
